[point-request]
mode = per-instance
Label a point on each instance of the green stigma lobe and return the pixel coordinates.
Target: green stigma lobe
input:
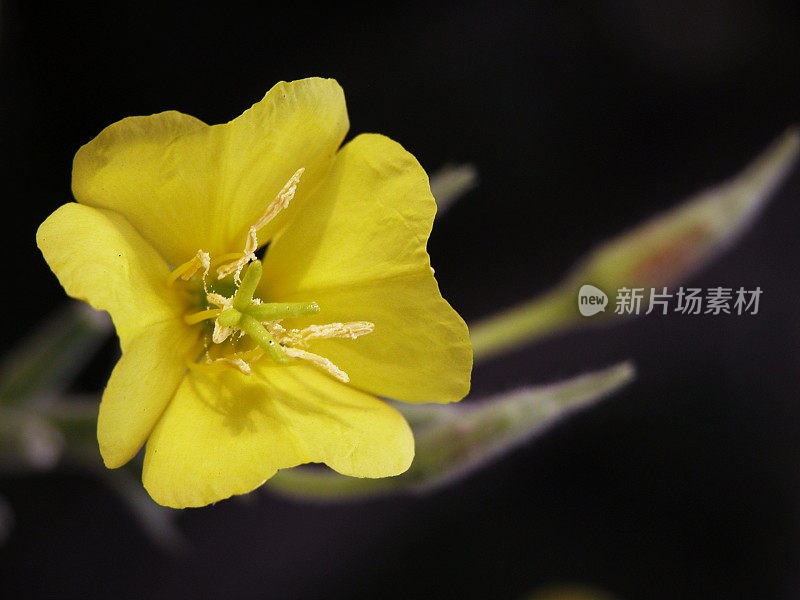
(262, 337)
(244, 295)
(248, 314)
(229, 317)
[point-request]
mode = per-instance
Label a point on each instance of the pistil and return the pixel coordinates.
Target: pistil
(247, 314)
(241, 313)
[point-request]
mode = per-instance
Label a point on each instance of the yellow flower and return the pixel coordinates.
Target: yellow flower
(229, 375)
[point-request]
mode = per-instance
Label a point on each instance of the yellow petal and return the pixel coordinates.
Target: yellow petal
(297, 124)
(157, 171)
(358, 250)
(225, 433)
(100, 258)
(140, 387)
(187, 186)
(419, 350)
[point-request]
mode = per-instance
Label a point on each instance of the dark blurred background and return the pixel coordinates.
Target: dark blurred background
(582, 119)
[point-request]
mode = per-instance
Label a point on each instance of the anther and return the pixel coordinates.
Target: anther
(190, 267)
(272, 311)
(280, 202)
(320, 361)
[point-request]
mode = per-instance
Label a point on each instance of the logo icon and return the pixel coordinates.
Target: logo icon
(591, 300)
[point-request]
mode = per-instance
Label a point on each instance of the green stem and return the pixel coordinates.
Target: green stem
(524, 323)
(460, 438)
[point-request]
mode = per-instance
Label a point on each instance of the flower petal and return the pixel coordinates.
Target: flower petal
(158, 172)
(358, 250)
(100, 258)
(419, 350)
(297, 124)
(142, 383)
(188, 186)
(225, 433)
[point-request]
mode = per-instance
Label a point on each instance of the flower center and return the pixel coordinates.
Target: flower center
(248, 314)
(241, 317)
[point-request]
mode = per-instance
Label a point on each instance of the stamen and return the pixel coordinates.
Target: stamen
(220, 333)
(276, 330)
(243, 314)
(237, 363)
(226, 258)
(319, 361)
(251, 355)
(190, 267)
(201, 316)
(247, 255)
(270, 311)
(350, 330)
(280, 202)
(218, 299)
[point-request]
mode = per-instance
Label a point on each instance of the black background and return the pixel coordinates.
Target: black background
(582, 119)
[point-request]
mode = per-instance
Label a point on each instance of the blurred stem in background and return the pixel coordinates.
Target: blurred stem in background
(661, 252)
(41, 427)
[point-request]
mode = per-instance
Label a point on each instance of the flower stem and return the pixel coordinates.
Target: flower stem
(661, 252)
(554, 311)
